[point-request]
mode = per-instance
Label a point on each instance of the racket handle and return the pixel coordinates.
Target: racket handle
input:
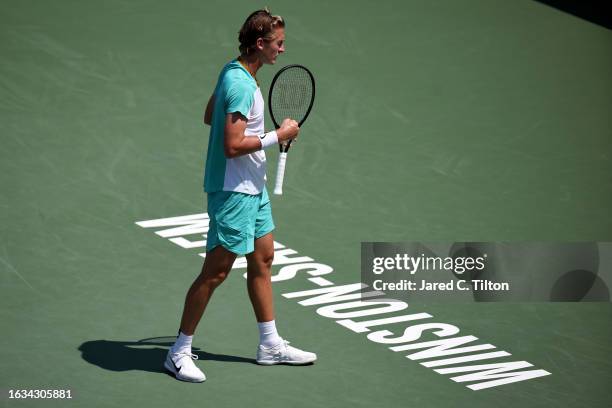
(280, 173)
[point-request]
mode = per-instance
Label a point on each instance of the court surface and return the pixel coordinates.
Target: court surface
(434, 121)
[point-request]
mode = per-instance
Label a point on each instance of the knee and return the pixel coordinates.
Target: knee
(220, 277)
(215, 278)
(260, 264)
(265, 259)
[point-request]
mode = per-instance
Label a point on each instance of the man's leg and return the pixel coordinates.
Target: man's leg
(272, 348)
(259, 281)
(215, 269)
(217, 266)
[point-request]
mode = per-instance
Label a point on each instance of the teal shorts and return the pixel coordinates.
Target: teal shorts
(237, 220)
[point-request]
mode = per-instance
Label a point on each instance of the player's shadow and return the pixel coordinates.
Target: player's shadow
(590, 10)
(143, 355)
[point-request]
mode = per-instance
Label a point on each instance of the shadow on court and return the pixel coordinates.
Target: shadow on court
(140, 355)
(590, 10)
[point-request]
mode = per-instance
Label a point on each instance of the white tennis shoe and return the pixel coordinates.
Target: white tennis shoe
(284, 354)
(183, 367)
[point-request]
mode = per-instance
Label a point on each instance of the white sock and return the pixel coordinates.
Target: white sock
(268, 336)
(182, 344)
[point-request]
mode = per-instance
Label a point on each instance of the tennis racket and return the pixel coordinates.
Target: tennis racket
(291, 96)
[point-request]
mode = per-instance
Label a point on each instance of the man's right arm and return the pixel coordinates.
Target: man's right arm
(236, 143)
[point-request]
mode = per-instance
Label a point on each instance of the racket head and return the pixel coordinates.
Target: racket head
(291, 95)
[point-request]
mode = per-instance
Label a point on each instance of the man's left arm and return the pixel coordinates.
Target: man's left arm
(209, 110)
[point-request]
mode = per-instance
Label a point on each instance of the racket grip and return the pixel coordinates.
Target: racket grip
(280, 173)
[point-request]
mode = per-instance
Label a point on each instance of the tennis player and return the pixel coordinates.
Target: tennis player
(238, 204)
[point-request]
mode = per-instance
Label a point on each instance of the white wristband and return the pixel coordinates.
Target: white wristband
(268, 139)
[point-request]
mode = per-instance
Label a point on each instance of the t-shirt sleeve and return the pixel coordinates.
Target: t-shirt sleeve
(239, 98)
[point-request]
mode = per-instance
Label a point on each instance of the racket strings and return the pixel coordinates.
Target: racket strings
(292, 95)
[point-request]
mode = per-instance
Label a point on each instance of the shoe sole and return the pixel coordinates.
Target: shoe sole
(293, 363)
(172, 371)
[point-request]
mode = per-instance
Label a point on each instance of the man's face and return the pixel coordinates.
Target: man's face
(273, 47)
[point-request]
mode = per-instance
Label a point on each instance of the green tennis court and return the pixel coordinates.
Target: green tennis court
(433, 121)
